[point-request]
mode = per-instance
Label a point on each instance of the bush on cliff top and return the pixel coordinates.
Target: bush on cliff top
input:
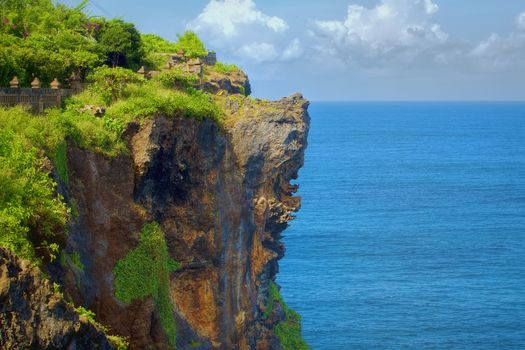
(145, 272)
(190, 44)
(127, 97)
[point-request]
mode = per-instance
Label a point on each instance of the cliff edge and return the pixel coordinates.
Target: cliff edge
(221, 196)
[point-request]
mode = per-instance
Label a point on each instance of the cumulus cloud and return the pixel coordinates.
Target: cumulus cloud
(294, 50)
(500, 52)
(238, 27)
(259, 52)
(398, 29)
(227, 17)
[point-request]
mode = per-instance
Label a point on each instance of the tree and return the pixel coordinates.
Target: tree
(121, 43)
(191, 45)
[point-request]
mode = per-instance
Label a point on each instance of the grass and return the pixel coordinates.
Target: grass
(288, 330)
(225, 68)
(145, 272)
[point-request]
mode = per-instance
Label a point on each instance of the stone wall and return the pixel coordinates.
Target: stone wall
(36, 99)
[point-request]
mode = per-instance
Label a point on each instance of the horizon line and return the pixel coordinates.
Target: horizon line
(422, 101)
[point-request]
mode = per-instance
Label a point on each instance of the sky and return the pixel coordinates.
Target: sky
(359, 50)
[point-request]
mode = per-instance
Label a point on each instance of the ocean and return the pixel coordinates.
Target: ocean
(411, 233)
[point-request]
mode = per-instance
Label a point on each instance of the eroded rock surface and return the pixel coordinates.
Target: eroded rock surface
(33, 316)
(222, 197)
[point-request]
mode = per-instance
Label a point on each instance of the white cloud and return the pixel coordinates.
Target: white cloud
(294, 50)
(228, 17)
(259, 52)
(393, 29)
(521, 21)
(240, 29)
(501, 52)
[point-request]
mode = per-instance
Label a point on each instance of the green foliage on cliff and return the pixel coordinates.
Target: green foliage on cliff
(121, 43)
(52, 41)
(225, 68)
(128, 97)
(30, 212)
(120, 343)
(288, 330)
(156, 50)
(44, 39)
(110, 83)
(190, 44)
(145, 272)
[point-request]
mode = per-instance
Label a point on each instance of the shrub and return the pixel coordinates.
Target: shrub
(145, 271)
(110, 83)
(120, 343)
(190, 44)
(45, 39)
(155, 50)
(175, 78)
(31, 214)
(288, 330)
(153, 98)
(225, 68)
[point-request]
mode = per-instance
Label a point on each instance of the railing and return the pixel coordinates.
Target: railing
(37, 99)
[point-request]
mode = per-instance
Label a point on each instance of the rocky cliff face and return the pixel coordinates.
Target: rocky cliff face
(34, 316)
(222, 197)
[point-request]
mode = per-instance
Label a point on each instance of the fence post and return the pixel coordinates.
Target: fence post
(55, 84)
(14, 83)
(35, 84)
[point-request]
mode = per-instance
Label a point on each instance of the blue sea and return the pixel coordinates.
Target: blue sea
(412, 229)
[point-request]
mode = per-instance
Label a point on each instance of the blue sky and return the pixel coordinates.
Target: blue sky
(353, 49)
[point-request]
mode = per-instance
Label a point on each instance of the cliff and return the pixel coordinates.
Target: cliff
(34, 316)
(221, 195)
(172, 242)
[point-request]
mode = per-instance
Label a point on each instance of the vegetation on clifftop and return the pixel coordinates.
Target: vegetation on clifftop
(145, 272)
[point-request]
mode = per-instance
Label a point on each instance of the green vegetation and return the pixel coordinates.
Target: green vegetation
(46, 40)
(119, 342)
(194, 343)
(50, 41)
(75, 259)
(156, 49)
(190, 44)
(225, 68)
(289, 330)
(54, 41)
(145, 271)
(59, 158)
(121, 43)
(109, 83)
(31, 214)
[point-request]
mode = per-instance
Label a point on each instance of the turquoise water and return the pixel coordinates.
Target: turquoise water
(412, 230)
